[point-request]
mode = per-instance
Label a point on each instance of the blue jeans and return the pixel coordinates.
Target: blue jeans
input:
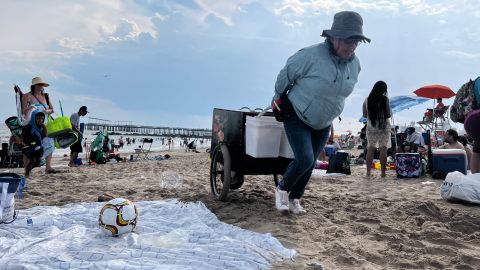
(306, 143)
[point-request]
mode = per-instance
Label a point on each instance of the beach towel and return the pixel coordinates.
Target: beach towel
(169, 235)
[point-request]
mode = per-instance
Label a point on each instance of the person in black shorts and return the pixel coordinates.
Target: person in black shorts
(76, 148)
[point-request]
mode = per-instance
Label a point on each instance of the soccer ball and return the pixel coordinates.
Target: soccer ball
(118, 216)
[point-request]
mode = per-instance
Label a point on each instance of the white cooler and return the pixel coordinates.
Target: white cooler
(262, 136)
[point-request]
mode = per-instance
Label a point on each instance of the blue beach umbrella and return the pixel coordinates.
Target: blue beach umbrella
(400, 103)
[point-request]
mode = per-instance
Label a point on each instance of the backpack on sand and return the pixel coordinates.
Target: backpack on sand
(339, 163)
(466, 100)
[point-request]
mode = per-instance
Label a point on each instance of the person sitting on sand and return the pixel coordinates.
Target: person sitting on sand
(32, 136)
(451, 141)
(413, 143)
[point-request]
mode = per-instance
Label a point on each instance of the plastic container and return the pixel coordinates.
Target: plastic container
(449, 160)
(285, 149)
(329, 150)
(262, 137)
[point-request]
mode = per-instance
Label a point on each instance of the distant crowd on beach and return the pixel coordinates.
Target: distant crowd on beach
(39, 129)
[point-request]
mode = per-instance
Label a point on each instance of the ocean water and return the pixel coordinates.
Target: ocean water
(90, 136)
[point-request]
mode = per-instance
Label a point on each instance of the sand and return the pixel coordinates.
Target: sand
(352, 222)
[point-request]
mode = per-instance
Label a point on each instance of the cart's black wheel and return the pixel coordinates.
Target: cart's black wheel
(237, 180)
(220, 173)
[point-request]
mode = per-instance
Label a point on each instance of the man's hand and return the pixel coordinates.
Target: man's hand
(276, 105)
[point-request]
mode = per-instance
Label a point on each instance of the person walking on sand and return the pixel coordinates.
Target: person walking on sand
(37, 99)
(376, 109)
(76, 148)
(311, 89)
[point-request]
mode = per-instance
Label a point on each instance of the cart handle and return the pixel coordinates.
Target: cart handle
(248, 108)
(269, 107)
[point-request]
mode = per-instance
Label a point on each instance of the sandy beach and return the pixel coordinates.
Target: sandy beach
(352, 222)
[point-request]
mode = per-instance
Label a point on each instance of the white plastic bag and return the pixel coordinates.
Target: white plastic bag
(460, 187)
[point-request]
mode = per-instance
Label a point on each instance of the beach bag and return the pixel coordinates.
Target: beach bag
(9, 183)
(458, 187)
(281, 104)
(65, 140)
(466, 100)
(408, 165)
(339, 163)
(14, 125)
(58, 126)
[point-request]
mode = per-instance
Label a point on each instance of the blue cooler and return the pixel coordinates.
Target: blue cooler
(329, 150)
(449, 160)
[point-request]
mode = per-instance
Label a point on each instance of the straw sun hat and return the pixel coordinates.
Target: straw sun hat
(38, 80)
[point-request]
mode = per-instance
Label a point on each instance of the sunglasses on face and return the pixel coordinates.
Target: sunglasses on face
(350, 42)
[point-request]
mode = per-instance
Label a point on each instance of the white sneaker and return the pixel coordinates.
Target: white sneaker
(295, 207)
(281, 200)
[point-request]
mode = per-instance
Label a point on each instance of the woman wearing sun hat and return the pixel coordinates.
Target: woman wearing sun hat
(38, 100)
(318, 78)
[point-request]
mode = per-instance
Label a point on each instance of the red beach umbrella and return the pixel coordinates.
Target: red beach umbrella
(434, 91)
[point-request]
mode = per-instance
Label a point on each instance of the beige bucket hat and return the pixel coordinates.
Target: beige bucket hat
(38, 80)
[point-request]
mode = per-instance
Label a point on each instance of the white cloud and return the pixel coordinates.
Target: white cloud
(62, 29)
(223, 10)
(465, 55)
(412, 7)
(292, 24)
(74, 45)
(301, 8)
(125, 30)
(421, 7)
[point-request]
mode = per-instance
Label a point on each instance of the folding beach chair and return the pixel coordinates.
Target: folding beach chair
(142, 150)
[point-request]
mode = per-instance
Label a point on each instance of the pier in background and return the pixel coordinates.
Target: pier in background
(127, 127)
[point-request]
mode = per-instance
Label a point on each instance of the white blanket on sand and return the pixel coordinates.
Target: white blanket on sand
(169, 235)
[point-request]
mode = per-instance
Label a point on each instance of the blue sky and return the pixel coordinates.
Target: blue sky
(169, 63)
